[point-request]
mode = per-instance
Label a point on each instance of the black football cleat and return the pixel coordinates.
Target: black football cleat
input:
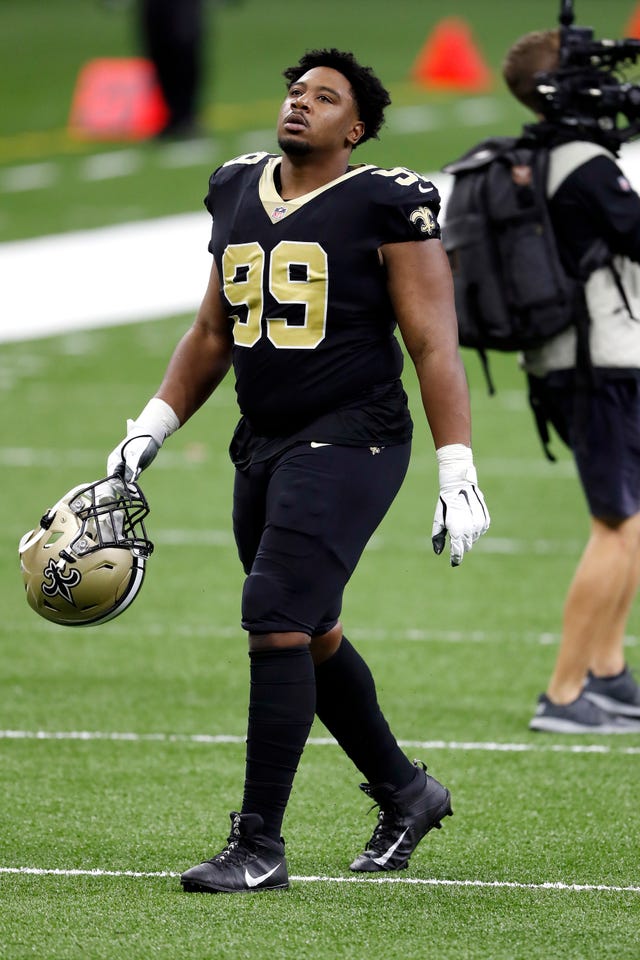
(249, 863)
(405, 816)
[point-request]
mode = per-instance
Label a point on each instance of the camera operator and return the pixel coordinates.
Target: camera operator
(594, 407)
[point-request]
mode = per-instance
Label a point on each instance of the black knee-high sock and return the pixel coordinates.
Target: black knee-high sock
(281, 710)
(347, 704)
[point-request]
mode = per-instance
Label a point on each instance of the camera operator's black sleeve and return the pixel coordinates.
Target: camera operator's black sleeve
(596, 202)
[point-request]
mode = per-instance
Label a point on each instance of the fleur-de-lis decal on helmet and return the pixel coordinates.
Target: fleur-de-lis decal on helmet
(57, 581)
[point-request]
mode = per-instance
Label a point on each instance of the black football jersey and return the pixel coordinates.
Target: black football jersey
(313, 325)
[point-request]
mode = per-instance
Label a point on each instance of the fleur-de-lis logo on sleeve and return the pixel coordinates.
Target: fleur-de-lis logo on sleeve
(424, 219)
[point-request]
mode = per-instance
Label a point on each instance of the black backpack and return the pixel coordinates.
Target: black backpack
(511, 290)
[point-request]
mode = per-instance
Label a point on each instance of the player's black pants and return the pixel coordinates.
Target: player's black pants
(301, 522)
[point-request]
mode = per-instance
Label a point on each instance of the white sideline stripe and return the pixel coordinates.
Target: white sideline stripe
(94, 278)
(212, 739)
(416, 881)
(123, 274)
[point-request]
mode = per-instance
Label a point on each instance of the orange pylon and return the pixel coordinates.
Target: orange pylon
(450, 60)
(632, 28)
(117, 99)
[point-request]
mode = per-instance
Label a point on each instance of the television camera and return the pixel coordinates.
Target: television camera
(589, 88)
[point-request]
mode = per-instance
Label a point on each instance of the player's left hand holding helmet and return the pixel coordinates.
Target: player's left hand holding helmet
(85, 563)
(461, 511)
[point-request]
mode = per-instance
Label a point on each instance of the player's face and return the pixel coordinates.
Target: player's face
(319, 114)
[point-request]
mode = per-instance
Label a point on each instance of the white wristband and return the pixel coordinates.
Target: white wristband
(455, 465)
(158, 419)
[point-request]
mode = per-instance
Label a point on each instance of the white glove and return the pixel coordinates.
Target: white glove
(461, 510)
(144, 438)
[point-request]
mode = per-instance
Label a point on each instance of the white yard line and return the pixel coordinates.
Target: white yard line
(488, 746)
(550, 885)
(359, 633)
(109, 166)
(40, 457)
(29, 176)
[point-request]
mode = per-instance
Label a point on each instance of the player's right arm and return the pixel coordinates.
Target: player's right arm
(202, 357)
(199, 363)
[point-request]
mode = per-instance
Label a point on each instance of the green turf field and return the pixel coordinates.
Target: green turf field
(121, 746)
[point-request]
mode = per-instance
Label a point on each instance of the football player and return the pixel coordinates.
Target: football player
(316, 262)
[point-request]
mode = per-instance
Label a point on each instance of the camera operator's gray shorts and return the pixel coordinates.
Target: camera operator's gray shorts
(601, 425)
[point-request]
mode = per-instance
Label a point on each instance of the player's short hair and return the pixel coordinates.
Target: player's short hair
(536, 52)
(370, 96)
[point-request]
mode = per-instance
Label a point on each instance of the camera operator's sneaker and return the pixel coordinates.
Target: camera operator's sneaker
(405, 816)
(250, 862)
(619, 694)
(579, 716)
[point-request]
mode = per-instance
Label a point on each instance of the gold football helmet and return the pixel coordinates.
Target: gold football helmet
(85, 563)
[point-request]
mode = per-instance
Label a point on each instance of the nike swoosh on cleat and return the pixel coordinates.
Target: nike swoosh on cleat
(256, 881)
(381, 860)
